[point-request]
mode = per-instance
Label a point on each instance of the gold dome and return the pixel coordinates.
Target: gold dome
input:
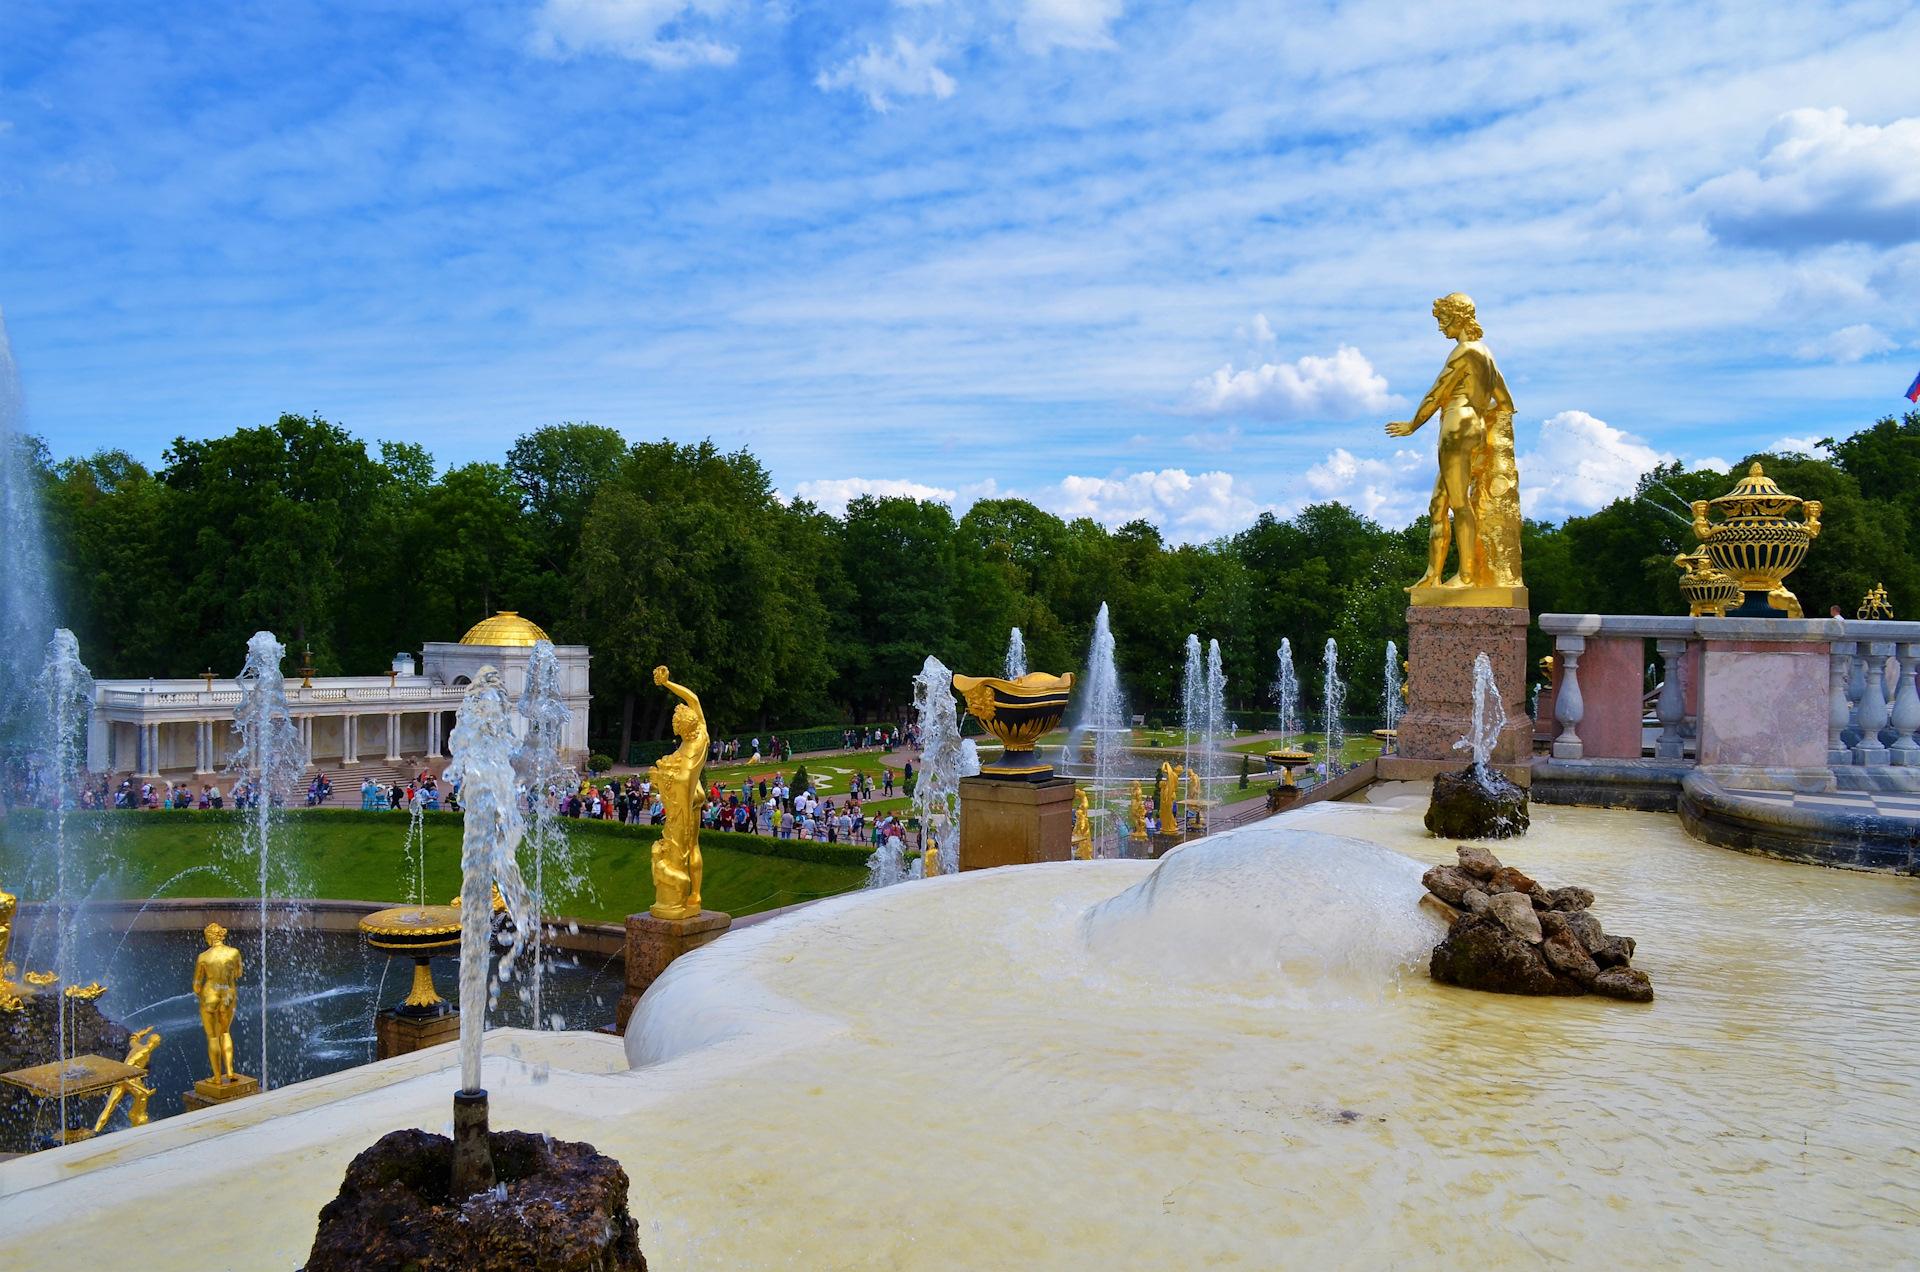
(504, 628)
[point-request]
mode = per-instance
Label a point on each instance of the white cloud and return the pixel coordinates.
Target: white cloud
(1849, 344)
(1821, 181)
(906, 70)
(1797, 446)
(629, 29)
(1391, 491)
(1580, 464)
(833, 496)
(1185, 507)
(1712, 463)
(1077, 24)
(1339, 387)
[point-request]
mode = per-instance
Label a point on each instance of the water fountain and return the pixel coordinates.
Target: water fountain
(1479, 802)
(1334, 702)
(1103, 725)
(1016, 662)
(936, 788)
(1392, 704)
(540, 768)
(1286, 694)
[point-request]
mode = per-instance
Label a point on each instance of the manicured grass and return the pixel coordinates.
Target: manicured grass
(1356, 748)
(360, 856)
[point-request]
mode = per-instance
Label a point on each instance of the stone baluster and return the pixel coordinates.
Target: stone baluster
(1839, 708)
(1906, 710)
(1672, 707)
(1890, 687)
(1567, 705)
(1856, 690)
(1873, 707)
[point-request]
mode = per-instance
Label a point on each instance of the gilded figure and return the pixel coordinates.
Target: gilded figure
(678, 780)
(139, 1051)
(1082, 828)
(1137, 814)
(216, 977)
(1476, 497)
(1169, 789)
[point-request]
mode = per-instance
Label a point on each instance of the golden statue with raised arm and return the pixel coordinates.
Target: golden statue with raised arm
(1082, 827)
(216, 978)
(1476, 498)
(678, 779)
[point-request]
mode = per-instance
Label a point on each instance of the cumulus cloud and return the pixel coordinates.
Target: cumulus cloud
(1338, 387)
(1579, 464)
(1796, 446)
(1821, 181)
(1185, 507)
(1849, 344)
(1391, 491)
(832, 496)
(1076, 24)
(882, 75)
(651, 31)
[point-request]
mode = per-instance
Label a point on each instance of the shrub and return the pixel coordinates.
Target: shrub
(800, 782)
(599, 763)
(1246, 771)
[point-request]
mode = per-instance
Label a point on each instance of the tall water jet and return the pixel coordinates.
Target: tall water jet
(26, 610)
(1215, 719)
(1103, 721)
(1193, 693)
(936, 790)
(483, 751)
(541, 768)
(1392, 705)
(272, 757)
(1335, 702)
(1016, 663)
(60, 766)
(1286, 692)
(1489, 716)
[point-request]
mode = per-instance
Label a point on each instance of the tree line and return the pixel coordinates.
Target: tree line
(782, 616)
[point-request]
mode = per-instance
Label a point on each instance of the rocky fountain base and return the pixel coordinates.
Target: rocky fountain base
(1478, 802)
(1510, 935)
(29, 1036)
(557, 1207)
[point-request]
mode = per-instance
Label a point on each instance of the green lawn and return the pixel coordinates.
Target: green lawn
(1356, 748)
(359, 856)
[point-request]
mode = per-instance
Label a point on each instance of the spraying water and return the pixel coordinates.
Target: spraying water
(483, 752)
(936, 791)
(1392, 706)
(1016, 664)
(66, 696)
(1193, 693)
(1215, 717)
(26, 612)
(1286, 692)
(541, 768)
(1489, 716)
(1103, 719)
(272, 757)
(1335, 703)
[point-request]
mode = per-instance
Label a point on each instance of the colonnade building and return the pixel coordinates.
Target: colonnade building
(381, 726)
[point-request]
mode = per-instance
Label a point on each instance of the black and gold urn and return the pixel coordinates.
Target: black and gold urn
(1757, 543)
(423, 932)
(1019, 713)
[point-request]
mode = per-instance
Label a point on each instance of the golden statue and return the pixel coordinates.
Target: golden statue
(1169, 789)
(930, 861)
(216, 975)
(1082, 828)
(1137, 814)
(1476, 498)
(10, 999)
(139, 1051)
(678, 780)
(1874, 605)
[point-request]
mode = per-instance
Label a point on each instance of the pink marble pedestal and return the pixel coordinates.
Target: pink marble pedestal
(1442, 642)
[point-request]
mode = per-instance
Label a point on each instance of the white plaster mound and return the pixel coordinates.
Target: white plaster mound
(973, 1072)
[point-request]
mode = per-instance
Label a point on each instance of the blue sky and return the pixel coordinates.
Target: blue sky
(1123, 258)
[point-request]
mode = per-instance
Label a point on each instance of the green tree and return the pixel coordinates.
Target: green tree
(559, 470)
(898, 556)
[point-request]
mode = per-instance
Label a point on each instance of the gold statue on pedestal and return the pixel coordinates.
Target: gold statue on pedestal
(678, 780)
(216, 979)
(140, 1050)
(1169, 790)
(1137, 814)
(1082, 828)
(1476, 498)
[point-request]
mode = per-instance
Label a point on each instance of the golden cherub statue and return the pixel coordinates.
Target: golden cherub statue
(678, 780)
(139, 1051)
(1137, 814)
(216, 976)
(1476, 498)
(1082, 828)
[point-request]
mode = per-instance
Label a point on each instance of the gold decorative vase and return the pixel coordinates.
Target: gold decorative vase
(1019, 713)
(424, 932)
(1708, 592)
(1756, 544)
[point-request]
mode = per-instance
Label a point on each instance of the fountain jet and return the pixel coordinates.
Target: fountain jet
(1103, 720)
(540, 769)
(1286, 692)
(1016, 663)
(1335, 702)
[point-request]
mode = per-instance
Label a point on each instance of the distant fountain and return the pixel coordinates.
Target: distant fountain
(26, 612)
(66, 698)
(1392, 705)
(1103, 722)
(1286, 692)
(272, 757)
(1335, 703)
(1016, 664)
(1479, 802)
(1215, 718)
(540, 768)
(936, 790)
(1193, 696)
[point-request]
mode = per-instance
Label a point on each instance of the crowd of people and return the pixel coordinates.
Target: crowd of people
(770, 805)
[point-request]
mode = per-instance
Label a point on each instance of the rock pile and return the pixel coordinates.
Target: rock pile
(1511, 935)
(1478, 802)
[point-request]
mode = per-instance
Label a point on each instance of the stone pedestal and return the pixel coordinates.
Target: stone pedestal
(1764, 712)
(1011, 823)
(210, 1091)
(398, 1035)
(1442, 642)
(652, 943)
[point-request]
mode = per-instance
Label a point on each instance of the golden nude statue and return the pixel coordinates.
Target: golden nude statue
(1137, 814)
(677, 778)
(1082, 828)
(139, 1050)
(1476, 497)
(216, 975)
(1169, 790)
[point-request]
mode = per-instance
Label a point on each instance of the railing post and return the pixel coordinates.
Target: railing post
(1672, 706)
(1567, 706)
(1906, 709)
(1856, 690)
(1873, 707)
(1839, 706)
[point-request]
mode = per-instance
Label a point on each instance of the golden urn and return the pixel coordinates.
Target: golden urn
(1707, 592)
(1756, 544)
(1019, 713)
(422, 932)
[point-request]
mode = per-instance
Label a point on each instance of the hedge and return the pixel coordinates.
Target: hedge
(825, 737)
